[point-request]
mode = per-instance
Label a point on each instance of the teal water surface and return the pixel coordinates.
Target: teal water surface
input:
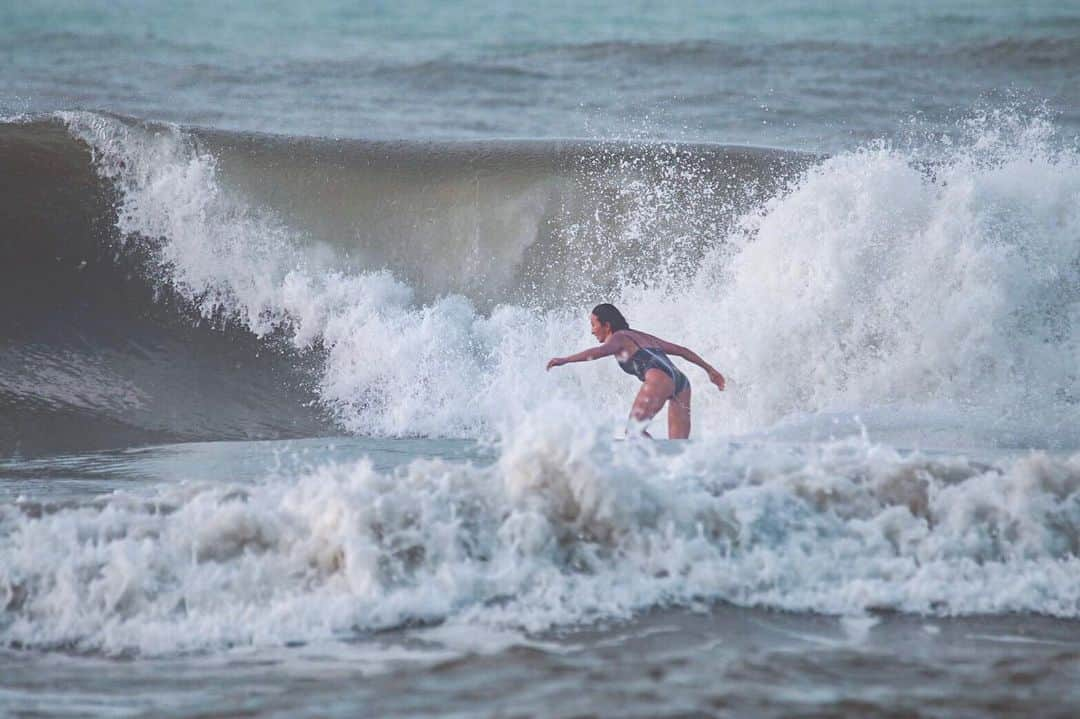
(816, 77)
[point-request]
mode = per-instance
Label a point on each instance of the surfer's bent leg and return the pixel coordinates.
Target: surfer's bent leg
(678, 415)
(650, 399)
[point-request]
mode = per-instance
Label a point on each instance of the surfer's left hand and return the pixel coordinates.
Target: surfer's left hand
(717, 379)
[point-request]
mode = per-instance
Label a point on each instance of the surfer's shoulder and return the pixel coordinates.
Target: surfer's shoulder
(621, 336)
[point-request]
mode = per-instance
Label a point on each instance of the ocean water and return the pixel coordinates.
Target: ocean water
(822, 77)
(279, 285)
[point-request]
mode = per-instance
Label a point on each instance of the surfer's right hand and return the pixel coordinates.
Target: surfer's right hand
(555, 362)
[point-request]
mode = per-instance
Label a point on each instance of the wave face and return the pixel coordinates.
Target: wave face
(202, 285)
(96, 352)
(415, 289)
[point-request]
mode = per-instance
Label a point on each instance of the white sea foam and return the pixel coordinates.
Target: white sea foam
(871, 284)
(563, 528)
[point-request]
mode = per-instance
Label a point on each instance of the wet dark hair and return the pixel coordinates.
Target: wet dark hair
(609, 315)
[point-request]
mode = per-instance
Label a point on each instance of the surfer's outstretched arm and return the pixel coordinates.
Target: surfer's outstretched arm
(690, 356)
(605, 350)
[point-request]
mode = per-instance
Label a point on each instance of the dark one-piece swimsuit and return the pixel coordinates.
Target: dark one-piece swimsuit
(646, 359)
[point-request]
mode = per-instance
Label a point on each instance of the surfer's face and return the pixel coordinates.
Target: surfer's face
(600, 331)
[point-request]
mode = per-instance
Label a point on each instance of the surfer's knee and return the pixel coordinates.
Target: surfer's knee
(644, 408)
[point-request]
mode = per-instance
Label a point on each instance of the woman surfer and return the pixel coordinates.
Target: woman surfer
(646, 357)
